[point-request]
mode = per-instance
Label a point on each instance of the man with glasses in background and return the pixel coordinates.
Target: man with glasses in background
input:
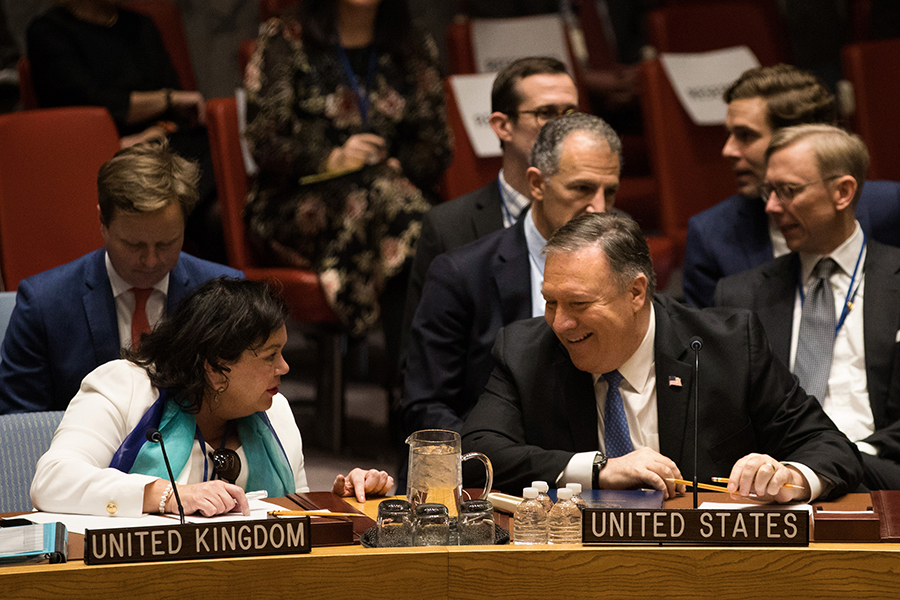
(830, 308)
(737, 234)
(525, 95)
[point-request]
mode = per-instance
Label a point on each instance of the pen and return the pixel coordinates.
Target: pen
(312, 513)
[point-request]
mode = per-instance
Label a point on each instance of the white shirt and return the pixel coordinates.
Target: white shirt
(779, 243)
(121, 290)
(513, 202)
(536, 258)
(846, 399)
(638, 388)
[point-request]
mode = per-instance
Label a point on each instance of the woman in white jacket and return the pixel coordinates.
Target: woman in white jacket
(207, 378)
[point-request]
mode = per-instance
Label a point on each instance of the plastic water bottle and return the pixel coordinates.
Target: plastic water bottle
(576, 496)
(542, 487)
(530, 520)
(565, 519)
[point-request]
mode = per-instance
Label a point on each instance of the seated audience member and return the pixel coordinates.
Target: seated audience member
(475, 290)
(838, 330)
(598, 392)
(343, 86)
(207, 378)
(100, 53)
(525, 95)
(72, 319)
(736, 234)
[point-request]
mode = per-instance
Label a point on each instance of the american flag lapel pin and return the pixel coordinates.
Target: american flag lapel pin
(674, 381)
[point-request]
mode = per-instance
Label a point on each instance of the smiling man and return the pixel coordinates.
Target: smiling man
(71, 319)
(597, 392)
(736, 234)
(830, 308)
(475, 290)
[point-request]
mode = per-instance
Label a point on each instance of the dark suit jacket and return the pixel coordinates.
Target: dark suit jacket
(64, 326)
(733, 236)
(469, 295)
(770, 290)
(538, 409)
(446, 227)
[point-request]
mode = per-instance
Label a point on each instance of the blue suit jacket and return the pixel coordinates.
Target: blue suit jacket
(64, 326)
(733, 236)
(470, 293)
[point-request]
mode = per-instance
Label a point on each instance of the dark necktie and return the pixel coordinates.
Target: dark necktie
(139, 322)
(815, 345)
(617, 436)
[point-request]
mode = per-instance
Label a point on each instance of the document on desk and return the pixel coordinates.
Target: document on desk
(78, 523)
(731, 506)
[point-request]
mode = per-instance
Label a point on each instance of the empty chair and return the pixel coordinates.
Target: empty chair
(872, 69)
(24, 437)
(49, 160)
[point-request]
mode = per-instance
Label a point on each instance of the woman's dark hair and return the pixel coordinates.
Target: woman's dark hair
(215, 324)
(318, 21)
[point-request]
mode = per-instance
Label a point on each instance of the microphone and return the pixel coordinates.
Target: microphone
(696, 345)
(153, 435)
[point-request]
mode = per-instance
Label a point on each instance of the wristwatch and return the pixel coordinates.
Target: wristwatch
(599, 462)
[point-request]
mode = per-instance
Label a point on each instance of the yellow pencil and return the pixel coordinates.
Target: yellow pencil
(787, 485)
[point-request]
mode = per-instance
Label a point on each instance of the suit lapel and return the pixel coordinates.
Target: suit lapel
(580, 403)
(100, 309)
(757, 248)
(488, 214)
(775, 307)
(672, 401)
(512, 274)
(179, 284)
(881, 318)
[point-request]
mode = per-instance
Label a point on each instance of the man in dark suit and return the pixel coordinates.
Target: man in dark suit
(737, 234)
(814, 174)
(76, 317)
(598, 392)
(525, 95)
(473, 291)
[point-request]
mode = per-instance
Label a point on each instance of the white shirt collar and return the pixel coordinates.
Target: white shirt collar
(845, 255)
(120, 286)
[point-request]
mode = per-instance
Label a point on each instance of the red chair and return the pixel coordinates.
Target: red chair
(167, 18)
(687, 158)
(300, 287)
(872, 69)
(715, 25)
(48, 187)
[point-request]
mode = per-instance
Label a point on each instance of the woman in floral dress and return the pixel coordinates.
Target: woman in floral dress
(346, 121)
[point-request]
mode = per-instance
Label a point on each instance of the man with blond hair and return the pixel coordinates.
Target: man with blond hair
(830, 307)
(76, 317)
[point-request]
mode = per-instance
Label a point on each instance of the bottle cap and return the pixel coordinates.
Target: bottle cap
(575, 487)
(564, 494)
(529, 492)
(541, 486)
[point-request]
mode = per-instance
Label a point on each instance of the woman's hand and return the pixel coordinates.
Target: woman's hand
(359, 150)
(188, 104)
(359, 483)
(210, 498)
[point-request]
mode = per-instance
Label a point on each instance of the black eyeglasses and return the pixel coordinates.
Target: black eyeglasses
(545, 113)
(786, 192)
(226, 464)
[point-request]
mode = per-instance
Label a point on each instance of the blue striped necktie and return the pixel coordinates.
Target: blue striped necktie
(617, 436)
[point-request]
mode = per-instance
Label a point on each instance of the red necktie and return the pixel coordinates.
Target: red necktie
(139, 322)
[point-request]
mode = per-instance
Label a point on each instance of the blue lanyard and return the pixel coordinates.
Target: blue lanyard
(362, 93)
(851, 291)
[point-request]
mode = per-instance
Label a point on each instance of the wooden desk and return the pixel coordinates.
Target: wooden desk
(839, 571)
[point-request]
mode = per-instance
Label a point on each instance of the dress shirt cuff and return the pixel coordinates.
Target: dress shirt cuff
(579, 470)
(817, 485)
(867, 448)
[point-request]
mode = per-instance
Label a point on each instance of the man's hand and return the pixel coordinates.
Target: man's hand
(644, 467)
(358, 483)
(764, 476)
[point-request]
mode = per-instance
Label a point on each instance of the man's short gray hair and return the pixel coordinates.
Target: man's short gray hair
(620, 238)
(548, 147)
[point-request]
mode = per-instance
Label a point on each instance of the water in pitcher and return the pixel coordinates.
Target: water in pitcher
(435, 476)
